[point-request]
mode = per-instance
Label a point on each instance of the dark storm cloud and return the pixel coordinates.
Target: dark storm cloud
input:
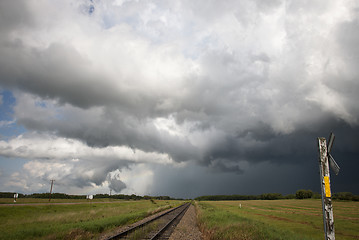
(225, 85)
(60, 72)
(14, 14)
(100, 128)
(116, 185)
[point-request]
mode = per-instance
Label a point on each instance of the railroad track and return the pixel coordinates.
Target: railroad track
(159, 227)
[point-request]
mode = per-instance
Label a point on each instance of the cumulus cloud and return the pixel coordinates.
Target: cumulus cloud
(224, 85)
(73, 163)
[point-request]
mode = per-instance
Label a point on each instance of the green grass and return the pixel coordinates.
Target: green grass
(275, 219)
(80, 221)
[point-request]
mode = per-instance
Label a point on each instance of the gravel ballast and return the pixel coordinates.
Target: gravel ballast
(187, 227)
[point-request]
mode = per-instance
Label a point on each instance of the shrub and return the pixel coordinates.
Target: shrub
(289, 196)
(302, 194)
(343, 196)
(271, 196)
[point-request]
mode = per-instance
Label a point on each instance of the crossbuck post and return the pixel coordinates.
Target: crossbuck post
(328, 218)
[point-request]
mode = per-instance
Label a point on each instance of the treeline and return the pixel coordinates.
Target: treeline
(300, 194)
(67, 196)
(266, 196)
(42, 195)
(345, 196)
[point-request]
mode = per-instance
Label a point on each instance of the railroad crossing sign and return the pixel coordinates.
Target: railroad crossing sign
(324, 158)
(332, 162)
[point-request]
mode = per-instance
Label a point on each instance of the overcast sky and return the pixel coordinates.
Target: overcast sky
(179, 98)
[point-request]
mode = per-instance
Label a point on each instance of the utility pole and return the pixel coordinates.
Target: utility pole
(324, 158)
(52, 184)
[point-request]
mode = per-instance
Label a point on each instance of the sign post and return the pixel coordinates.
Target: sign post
(324, 159)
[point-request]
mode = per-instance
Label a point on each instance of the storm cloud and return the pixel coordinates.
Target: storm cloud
(131, 87)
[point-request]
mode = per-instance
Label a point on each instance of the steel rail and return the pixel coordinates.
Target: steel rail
(158, 234)
(130, 230)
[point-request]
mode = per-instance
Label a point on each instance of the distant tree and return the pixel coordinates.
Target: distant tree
(10, 195)
(302, 194)
(227, 197)
(289, 196)
(343, 196)
(316, 195)
(163, 198)
(271, 196)
(101, 195)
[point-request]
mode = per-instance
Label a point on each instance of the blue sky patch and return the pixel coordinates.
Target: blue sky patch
(8, 124)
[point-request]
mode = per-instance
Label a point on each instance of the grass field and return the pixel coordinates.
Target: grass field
(79, 221)
(275, 219)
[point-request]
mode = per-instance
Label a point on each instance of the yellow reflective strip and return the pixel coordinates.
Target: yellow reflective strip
(327, 186)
